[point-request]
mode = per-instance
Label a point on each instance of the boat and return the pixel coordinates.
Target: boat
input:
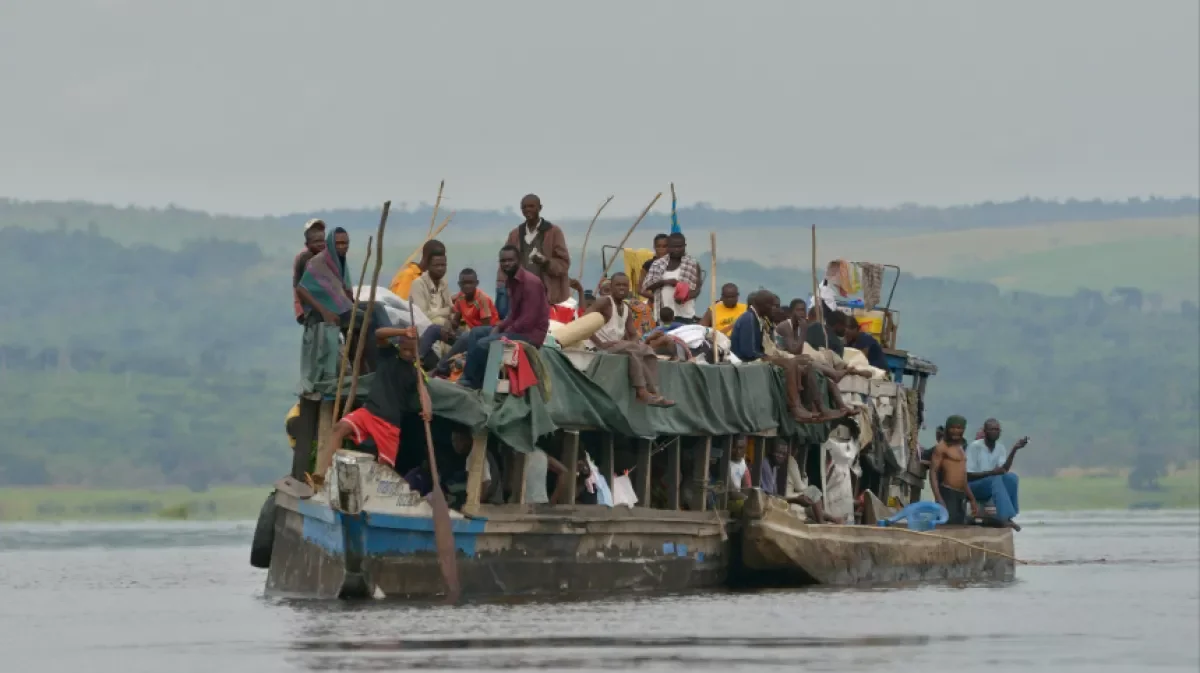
(364, 533)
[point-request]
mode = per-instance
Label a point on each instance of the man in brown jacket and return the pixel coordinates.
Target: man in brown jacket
(543, 249)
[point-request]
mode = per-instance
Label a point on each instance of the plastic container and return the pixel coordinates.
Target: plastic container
(919, 516)
(870, 322)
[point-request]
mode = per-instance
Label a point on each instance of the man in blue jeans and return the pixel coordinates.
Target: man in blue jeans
(528, 317)
(989, 472)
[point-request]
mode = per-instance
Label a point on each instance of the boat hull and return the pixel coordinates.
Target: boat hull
(780, 550)
(321, 552)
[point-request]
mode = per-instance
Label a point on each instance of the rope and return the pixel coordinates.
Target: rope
(967, 544)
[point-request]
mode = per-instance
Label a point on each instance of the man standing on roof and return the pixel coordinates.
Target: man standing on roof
(403, 280)
(989, 471)
(725, 312)
(314, 243)
(543, 252)
(674, 281)
(618, 336)
(528, 317)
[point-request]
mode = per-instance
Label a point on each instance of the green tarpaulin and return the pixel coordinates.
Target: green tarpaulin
(720, 400)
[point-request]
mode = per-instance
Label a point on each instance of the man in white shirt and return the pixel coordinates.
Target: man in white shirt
(989, 472)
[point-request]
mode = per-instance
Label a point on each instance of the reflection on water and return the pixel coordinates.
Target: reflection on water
(1121, 592)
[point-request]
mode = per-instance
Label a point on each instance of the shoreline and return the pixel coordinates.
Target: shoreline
(51, 504)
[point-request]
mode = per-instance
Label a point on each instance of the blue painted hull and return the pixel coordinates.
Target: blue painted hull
(324, 553)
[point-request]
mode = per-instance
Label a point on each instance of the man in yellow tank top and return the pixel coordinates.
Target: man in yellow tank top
(724, 312)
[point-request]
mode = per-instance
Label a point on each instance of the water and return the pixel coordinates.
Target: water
(182, 597)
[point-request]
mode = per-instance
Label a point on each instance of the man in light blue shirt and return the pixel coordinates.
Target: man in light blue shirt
(989, 472)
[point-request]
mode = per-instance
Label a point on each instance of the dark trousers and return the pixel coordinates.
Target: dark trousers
(956, 505)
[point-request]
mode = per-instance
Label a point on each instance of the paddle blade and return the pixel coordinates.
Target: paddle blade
(443, 534)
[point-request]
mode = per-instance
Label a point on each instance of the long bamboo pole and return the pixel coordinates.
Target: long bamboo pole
(436, 204)
(630, 232)
(344, 358)
(433, 235)
(583, 252)
(712, 239)
(362, 334)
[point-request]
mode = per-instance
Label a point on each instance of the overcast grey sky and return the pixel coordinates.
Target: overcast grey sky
(258, 106)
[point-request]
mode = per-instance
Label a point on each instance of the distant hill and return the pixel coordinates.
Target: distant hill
(135, 365)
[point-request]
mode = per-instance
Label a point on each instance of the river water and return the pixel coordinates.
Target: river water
(1121, 593)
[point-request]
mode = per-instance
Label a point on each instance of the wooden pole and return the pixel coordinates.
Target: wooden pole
(362, 334)
(436, 205)
(583, 252)
(437, 231)
(712, 239)
(345, 356)
(818, 304)
(636, 222)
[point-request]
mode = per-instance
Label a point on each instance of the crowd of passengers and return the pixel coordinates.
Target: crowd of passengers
(533, 288)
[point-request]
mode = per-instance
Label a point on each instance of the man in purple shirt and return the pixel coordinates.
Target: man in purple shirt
(528, 317)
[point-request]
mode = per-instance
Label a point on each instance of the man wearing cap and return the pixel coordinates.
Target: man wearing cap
(314, 242)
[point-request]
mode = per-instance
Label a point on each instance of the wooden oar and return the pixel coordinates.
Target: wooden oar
(443, 528)
(583, 252)
(345, 357)
(436, 205)
(362, 333)
(621, 245)
(712, 239)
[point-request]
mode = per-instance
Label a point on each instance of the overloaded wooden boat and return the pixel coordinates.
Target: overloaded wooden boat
(366, 533)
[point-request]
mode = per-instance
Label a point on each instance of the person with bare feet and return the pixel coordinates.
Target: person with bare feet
(797, 490)
(618, 337)
(949, 471)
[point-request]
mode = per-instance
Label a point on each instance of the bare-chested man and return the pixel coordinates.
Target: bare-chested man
(949, 470)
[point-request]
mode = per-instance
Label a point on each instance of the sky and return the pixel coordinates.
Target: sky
(266, 107)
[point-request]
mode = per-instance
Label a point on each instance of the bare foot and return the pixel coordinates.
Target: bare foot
(802, 415)
(660, 401)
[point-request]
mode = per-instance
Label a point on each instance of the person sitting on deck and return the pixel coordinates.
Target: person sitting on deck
(538, 465)
(402, 282)
(491, 486)
(314, 243)
(393, 395)
(854, 337)
(792, 331)
(542, 251)
(528, 317)
(798, 492)
(471, 306)
(948, 473)
(989, 472)
(725, 312)
(752, 341)
(828, 335)
(617, 338)
(431, 293)
(673, 281)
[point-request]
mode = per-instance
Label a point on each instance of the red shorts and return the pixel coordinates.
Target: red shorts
(367, 425)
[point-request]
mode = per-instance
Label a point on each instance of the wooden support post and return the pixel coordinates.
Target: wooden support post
(607, 462)
(673, 477)
(518, 477)
(325, 451)
(641, 473)
(723, 471)
(781, 472)
(570, 460)
(700, 458)
(755, 464)
(306, 434)
(475, 464)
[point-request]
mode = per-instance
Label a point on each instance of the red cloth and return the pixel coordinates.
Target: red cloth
(521, 377)
(369, 426)
(563, 314)
(682, 291)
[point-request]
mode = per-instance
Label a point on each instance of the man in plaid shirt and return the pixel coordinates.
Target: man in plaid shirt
(666, 276)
